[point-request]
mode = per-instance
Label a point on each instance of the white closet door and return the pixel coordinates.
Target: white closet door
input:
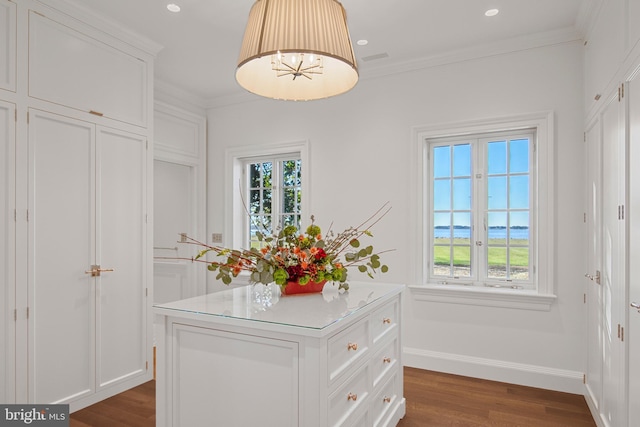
(7, 251)
(121, 235)
(612, 409)
(61, 248)
(593, 289)
(633, 375)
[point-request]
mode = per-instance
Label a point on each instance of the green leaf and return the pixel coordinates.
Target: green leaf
(355, 243)
(375, 264)
(362, 268)
(266, 277)
(384, 268)
(369, 250)
(349, 256)
(362, 253)
(202, 253)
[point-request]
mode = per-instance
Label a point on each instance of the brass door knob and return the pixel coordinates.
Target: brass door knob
(96, 270)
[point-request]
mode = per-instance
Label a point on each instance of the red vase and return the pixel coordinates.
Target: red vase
(293, 288)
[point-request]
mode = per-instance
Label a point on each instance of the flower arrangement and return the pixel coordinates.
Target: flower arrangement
(290, 256)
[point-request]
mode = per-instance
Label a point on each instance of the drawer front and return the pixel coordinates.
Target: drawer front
(384, 320)
(385, 360)
(360, 421)
(384, 400)
(352, 395)
(347, 348)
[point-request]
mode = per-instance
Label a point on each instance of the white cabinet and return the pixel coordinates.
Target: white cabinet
(87, 205)
(8, 40)
(75, 190)
(7, 252)
(613, 331)
(74, 69)
(330, 359)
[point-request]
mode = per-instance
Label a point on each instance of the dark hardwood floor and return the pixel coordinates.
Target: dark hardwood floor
(433, 399)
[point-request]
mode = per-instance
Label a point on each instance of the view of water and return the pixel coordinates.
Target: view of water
(494, 233)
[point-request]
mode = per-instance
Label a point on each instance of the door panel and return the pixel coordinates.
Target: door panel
(121, 237)
(633, 375)
(173, 214)
(7, 251)
(61, 226)
(612, 268)
(594, 263)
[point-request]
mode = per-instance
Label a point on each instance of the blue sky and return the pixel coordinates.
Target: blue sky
(507, 182)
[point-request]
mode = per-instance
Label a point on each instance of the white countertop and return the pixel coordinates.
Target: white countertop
(312, 312)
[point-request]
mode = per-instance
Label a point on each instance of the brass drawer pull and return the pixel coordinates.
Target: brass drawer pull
(352, 346)
(352, 396)
(386, 399)
(386, 320)
(386, 360)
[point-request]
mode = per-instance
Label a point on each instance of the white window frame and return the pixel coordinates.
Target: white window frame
(277, 188)
(541, 294)
(235, 185)
(478, 208)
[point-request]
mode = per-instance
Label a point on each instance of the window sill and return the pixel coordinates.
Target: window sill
(488, 297)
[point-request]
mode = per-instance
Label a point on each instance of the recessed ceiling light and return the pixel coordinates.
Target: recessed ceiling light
(362, 42)
(491, 12)
(173, 7)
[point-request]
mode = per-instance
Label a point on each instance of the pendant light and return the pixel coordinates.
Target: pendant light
(297, 50)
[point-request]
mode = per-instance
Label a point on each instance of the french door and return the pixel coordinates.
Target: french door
(86, 260)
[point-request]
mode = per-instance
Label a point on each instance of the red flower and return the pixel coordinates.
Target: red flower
(295, 272)
(320, 254)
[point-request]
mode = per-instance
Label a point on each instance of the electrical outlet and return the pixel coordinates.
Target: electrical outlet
(216, 237)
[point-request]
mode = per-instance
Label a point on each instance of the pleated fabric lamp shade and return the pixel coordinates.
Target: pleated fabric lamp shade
(297, 50)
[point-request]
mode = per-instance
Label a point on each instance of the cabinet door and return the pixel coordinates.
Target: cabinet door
(87, 207)
(61, 248)
(7, 251)
(613, 409)
(7, 45)
(593, 290)
(633, 375)
(121, 236)
(73, 69)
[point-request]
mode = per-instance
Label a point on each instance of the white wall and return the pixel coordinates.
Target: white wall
(361, 148)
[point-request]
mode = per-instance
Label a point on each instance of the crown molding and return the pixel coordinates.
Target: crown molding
(568, 35)
(77, 10)
(502, 47)
(174, 95)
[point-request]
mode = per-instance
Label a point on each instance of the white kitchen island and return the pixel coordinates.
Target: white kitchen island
(238, 359)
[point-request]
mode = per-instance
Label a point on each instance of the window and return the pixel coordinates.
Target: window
(484, 212)
(274, 189)
(265, 185)
(480, 205)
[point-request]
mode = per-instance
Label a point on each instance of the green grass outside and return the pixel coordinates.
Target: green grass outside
(497, 253)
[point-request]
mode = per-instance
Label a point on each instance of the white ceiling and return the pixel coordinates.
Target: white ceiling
(201, 43)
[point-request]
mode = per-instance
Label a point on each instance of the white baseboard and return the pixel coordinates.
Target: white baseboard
(495, 370)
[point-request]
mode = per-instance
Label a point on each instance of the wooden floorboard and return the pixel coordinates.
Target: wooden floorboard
(433, 400)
